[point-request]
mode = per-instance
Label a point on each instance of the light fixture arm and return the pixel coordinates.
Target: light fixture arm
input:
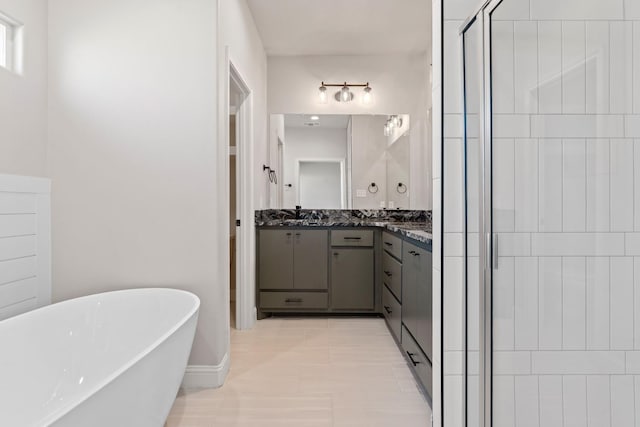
(345, 84)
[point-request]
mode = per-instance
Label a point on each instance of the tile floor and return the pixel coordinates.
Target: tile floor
(307, 372)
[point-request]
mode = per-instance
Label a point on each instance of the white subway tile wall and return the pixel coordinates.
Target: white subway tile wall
(566, 195)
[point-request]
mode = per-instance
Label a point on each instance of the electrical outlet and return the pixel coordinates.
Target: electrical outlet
(361, 193)
(382, 204)
(392, 205)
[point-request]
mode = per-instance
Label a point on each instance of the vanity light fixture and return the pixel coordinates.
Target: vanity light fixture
(367, 96)
(314, 118)
(323, 94)
(345, 94)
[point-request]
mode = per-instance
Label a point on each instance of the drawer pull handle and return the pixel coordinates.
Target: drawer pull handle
(414, 253)
(415, 363)
(388, 309)
(353, 238)
(288, 234)
(388, 244)
(297, 234)
(293, 300)
(388, 273)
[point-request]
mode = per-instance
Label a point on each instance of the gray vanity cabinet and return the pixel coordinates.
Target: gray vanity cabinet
(293, 259)
(417, 295)
(276, 259)
(352, 281)
(310, 259)
(352, 270)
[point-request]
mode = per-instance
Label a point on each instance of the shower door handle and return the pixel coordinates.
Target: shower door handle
(491, 251)
(495, 251)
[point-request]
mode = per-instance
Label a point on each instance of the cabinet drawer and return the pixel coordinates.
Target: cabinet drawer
(392, 274)
(352, 238)
(418, 360)
(293, 300)
(392, 311)
(392, 244)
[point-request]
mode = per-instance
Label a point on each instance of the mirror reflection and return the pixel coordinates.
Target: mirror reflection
(342, 161)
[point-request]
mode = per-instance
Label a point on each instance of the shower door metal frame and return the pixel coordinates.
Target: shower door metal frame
(487, 247)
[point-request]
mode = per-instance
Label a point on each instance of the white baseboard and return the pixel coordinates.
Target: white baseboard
(206, 376)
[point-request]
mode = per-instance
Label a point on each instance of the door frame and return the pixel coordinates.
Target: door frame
(245, 234)
(487, 247)
(343, 177)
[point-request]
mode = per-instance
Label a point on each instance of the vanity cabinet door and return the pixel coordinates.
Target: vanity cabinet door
(417, 296)
(424, 298)
(409, 289)
(310, 265)
(352, 279)
(276, 259)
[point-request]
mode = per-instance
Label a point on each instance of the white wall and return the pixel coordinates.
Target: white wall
(23, 103)
(239, 33)
(132, 134)
(400, 85)
(368, 161)
(309, 144)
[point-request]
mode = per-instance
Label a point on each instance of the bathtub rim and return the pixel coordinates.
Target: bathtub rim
(72, 404)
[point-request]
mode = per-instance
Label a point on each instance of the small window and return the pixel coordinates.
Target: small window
(10, 44)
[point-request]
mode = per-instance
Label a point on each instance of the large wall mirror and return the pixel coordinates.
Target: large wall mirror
(341, 161)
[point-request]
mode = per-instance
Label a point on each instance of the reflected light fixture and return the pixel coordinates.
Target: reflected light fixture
(345, 94)
(393, 122)
(314, 118)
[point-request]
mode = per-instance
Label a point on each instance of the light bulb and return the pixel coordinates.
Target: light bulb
(322, 94)
(390, 124)
(387, 131)
(396, 121)
(345, 94)
(367, 97)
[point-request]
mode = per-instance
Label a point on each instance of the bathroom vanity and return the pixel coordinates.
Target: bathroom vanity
(351, 262)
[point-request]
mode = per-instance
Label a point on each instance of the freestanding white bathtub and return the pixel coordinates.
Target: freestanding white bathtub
(112, 359)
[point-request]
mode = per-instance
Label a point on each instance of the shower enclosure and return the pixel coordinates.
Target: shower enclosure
(551, 199)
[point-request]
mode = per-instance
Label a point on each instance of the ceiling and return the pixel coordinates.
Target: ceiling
(342, 27)
(334, 121)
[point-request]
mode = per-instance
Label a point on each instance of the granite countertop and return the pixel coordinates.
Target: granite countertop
(415, 225)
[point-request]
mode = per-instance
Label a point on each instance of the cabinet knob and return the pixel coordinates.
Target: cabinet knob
(293, 300)
(388, 273)
(298, 234)
(288, 234)
(336, 254)
(388, 309)
(388, 244)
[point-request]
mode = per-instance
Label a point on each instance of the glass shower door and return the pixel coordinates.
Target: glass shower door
(560, 239)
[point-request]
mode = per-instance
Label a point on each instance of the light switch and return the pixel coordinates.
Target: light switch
(361, 193)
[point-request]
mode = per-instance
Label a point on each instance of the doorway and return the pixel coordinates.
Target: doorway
(321, 184)
(238, 114)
